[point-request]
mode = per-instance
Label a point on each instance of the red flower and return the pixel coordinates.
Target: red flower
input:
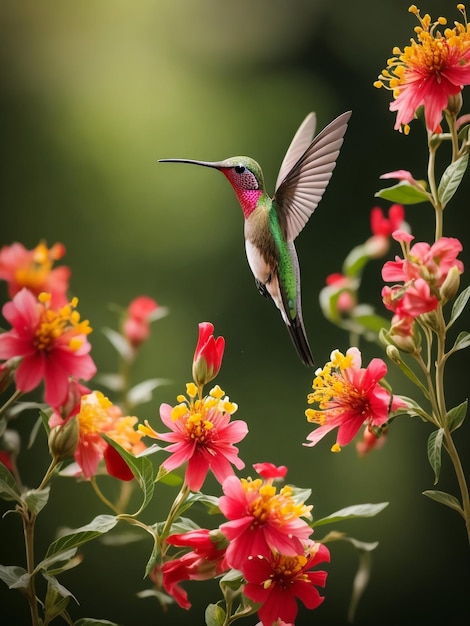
(261, 519)
(276, 581)
(33, 269)
(269, 470)
(203, 563)
(136, 326)
(52, 344)
(380, 225)
(429, 71)
(208, 355)
(202, 435)
(349, 396)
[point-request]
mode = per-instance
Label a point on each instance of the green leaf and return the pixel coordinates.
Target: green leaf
(456, 416)
(462, 341)
(434, 451)
(403, 193)
(352, 512)
(8, 488)
(362, 577)
(451, 179)
(11, 574)
(459, 304)
(120, 343)
(36, 499)
(98, 526)
(142, 392)
(142, 469)
(215, 615)
(59, 557)
(355, 261)
(371, 321)
(444, 498)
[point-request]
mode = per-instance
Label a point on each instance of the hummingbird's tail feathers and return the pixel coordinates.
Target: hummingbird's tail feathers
(299, 193)
(299, 339)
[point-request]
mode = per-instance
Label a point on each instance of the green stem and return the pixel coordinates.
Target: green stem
(29, 520)
(454, 456)
(173, 513)
(13, 398)
(433, 188)
(102, 497)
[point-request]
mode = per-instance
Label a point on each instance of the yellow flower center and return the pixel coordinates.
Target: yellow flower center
(55, 323)
(266, 504)
(94, 414)
(34, 274)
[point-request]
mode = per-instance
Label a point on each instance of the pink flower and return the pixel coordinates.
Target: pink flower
(261, 520)
(349, 396)
(411, 301)
(136, 326)
(201, 435)
(205, 561)
(429, 71)
(52, 345)
(208, 355)
(276, 581)
(430, 262)
(33, 269)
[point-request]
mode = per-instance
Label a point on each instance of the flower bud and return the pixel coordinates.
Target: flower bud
(63, 439)
(208, 355)
(454, 103)
(451, 284)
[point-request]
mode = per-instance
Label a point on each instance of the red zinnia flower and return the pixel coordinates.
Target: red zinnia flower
(429, 71)
(349, 396)
(202, 435)
(52, 345)
(261, 520)
(275, 581)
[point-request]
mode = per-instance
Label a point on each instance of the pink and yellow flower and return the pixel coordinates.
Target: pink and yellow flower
(208, 355)
(276, 581)
(32, 269)
(97, 416)
(348, 396)
(262, 519)
(136, 325)
(429, 71)
(201, 435)
(51, 344)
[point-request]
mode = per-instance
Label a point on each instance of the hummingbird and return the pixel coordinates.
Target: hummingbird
(271, 224)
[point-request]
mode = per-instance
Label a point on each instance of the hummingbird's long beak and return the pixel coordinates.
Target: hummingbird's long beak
(215, 164)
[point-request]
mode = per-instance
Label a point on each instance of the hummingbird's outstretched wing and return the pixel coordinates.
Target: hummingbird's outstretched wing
(297, 195)
(302, 139)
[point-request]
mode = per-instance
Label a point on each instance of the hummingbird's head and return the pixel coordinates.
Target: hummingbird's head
(244, 174)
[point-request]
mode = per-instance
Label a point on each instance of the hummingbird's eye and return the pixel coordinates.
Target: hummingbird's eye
(240, 169)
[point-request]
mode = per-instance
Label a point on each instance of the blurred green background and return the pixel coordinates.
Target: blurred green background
(92, 94)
